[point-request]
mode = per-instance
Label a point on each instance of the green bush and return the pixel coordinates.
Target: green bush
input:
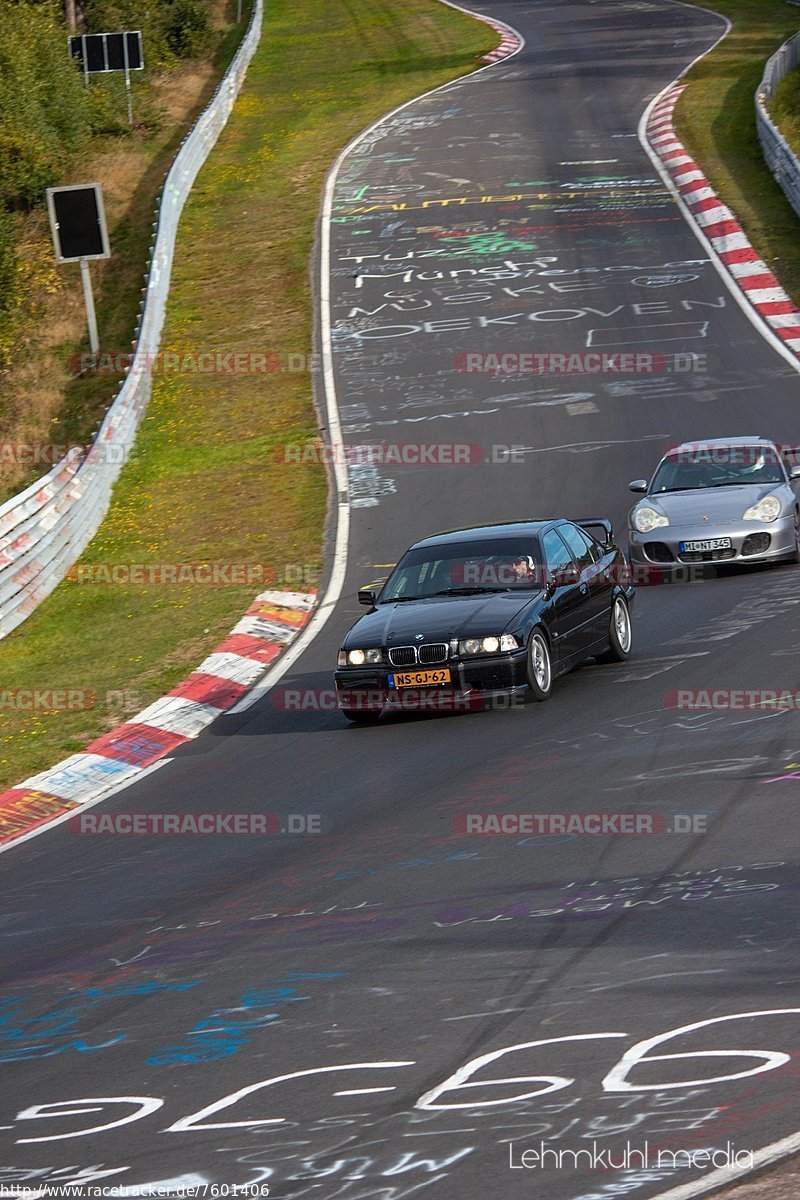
(44, 110)
(185, 26)
(48, 114)
(171, 29)
(9, 285)
(8, 261)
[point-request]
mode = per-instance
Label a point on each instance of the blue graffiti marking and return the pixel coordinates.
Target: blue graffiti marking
(226, 1030)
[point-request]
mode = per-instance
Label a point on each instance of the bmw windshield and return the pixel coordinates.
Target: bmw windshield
(465, 568)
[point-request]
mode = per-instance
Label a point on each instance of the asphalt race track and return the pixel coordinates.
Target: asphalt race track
(389, 1007)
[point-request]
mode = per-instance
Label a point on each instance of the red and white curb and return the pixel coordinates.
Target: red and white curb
(718, 227)
(511, 41)
(270, 624)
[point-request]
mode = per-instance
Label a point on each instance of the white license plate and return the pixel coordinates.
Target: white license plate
(723, 543)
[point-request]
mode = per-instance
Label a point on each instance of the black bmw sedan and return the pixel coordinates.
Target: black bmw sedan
(490, 611)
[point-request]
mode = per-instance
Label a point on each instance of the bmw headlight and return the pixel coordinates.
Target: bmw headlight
(767, 509)
(646, 519)
(487, 645)
(357, 658)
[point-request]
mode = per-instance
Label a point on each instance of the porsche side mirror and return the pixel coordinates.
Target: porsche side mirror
(638, 485)
(794, 472)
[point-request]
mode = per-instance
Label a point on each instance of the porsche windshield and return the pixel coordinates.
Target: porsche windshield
(465, 568)
(717, 466)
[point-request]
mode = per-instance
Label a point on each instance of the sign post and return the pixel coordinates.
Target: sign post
(127, 79)
(78, 226)
(91, 316)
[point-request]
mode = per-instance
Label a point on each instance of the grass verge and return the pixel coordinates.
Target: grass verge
(204, 485)
(715, 118)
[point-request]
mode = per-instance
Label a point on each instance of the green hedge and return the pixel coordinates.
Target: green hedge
(8, 263)
(171, 29)
(45, 112)
(48, 115)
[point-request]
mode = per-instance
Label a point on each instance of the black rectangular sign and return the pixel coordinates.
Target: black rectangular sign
(78, 222)
(101, 52)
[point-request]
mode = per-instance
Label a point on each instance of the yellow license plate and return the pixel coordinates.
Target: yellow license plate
(421, 678)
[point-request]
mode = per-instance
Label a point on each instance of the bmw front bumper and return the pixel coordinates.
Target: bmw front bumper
(472, 683)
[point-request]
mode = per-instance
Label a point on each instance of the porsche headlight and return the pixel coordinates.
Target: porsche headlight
(487, 645)
(767, 509)
(357, 658)
(647, 519)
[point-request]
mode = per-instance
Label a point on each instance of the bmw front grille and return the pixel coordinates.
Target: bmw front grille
(409, 656)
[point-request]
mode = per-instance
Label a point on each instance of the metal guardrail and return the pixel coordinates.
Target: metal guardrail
(780, 157)
(44, 529)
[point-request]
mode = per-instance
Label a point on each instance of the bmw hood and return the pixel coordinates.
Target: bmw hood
(438, 619)
(709, 505)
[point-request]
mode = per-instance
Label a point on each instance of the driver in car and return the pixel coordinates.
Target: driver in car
(524, 570)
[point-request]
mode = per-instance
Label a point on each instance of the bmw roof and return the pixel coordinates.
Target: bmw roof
(479, 532)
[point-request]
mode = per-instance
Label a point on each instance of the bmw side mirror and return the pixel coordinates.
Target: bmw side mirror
(367, 596)
(565, 576)
(638, 485)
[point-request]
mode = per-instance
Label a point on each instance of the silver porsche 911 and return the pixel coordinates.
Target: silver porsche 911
(724, 500)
